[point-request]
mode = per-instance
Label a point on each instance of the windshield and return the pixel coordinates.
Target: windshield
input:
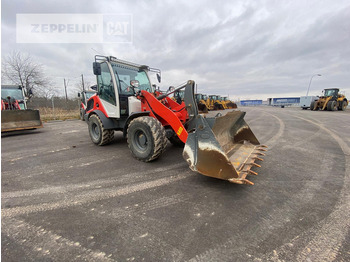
(125, 74)
(204, 97)
(329, 92)
(14, 93)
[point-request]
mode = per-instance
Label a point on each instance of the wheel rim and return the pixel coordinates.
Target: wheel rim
(95, 131)
(140, 140)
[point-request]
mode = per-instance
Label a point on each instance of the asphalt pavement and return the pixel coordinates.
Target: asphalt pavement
(65, 199)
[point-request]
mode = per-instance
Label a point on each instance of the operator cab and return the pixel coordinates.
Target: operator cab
(331, 92)
(179, 96)
(11, 93)
(85, 95)
(118, 81)
(198, 97)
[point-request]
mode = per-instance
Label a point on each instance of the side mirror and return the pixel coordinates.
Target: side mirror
(159, 78)
(78, 94)
(94, 87)
(171, 89)
(97, 68)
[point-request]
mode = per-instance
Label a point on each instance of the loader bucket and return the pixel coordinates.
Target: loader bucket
(231, 105)
(12, 120)
(223, 147)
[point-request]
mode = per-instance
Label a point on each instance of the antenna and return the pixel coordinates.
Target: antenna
(96, 50)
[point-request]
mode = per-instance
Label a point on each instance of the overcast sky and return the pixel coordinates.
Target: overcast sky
(245, 49)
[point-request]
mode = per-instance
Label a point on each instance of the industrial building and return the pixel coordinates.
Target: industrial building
(280, 101)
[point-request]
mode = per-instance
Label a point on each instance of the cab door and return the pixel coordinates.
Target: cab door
(108, 91)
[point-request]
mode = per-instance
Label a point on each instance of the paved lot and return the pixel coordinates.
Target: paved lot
(65, 199)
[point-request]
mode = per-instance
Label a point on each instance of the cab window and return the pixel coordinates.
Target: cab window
(105, 85)
(125, 74)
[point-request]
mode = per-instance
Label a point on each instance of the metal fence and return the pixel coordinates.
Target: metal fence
(54, 102)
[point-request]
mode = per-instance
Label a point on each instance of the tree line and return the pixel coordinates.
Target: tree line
(21, 69)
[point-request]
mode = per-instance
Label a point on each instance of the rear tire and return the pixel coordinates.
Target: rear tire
(332, 106)
(146, 138)
(98, 134)
(343, 105)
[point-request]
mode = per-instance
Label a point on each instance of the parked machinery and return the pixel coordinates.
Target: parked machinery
(221, 147)
(229, 103)
(331, 100)
(202, 102)
(14, 112)
(215, 103)
(179, 96)
(84, 97)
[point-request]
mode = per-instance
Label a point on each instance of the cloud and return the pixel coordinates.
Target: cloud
(247, 49)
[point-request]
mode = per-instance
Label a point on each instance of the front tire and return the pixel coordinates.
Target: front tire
(332, 106)
(146, 138)
(98, 134)
(82, 113)
(312, 106)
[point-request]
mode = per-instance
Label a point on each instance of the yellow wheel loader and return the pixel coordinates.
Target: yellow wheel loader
(202, 103)
(229, 103)
(14, 113)
(215, 103)
(331, 100)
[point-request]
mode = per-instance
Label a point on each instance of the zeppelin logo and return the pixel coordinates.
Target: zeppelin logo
(64, 28)
(74, 28)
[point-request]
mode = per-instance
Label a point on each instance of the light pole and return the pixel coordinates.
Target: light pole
(310, 83)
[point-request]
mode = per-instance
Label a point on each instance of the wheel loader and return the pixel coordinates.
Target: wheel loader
(331, 100)
(215, 103)
(84, 97)
(222, 147)
(179, 96)
(229, 103)
(201, 103)
(14, 113)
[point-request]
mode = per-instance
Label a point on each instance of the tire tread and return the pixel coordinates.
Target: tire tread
(107, 134)
(158, 134)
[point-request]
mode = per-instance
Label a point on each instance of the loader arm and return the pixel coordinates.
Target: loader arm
(167, 116)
